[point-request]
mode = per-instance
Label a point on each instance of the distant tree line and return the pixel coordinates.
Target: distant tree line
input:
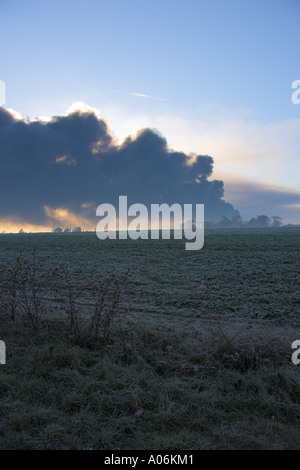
(67, 230)
(262, 221)
(60, 230)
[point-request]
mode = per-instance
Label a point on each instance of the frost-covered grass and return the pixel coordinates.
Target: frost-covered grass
(204, 348)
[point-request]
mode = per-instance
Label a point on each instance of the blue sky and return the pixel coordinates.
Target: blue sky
(214, 77)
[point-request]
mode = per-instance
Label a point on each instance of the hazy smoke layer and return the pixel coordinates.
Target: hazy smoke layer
(73, 162)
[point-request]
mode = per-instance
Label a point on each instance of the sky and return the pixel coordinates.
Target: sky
(211, 77)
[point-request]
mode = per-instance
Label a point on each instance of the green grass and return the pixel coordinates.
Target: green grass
(204, 349)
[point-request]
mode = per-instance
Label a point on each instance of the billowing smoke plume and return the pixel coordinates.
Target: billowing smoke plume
(73, 162)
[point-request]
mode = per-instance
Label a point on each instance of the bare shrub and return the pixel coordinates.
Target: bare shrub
(106, 295)
(91, 308)
(24, 288)
(71, 305)
(249, 349)
(88, 307)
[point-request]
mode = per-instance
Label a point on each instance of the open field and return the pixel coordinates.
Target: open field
(203, 347)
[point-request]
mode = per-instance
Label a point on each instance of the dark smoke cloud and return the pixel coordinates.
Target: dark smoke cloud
(73, 160)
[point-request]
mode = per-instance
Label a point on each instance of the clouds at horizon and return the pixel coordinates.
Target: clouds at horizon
(253, 198)
(73, 163)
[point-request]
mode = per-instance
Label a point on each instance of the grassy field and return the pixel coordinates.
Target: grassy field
(201, 341)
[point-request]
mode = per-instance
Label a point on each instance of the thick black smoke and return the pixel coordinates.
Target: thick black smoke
(73, 160)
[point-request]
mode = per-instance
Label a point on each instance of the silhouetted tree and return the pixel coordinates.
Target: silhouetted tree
(263, 221)
(276, 221)
(236, 220)
(252, 222)
(225, 222)
(260, 221)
